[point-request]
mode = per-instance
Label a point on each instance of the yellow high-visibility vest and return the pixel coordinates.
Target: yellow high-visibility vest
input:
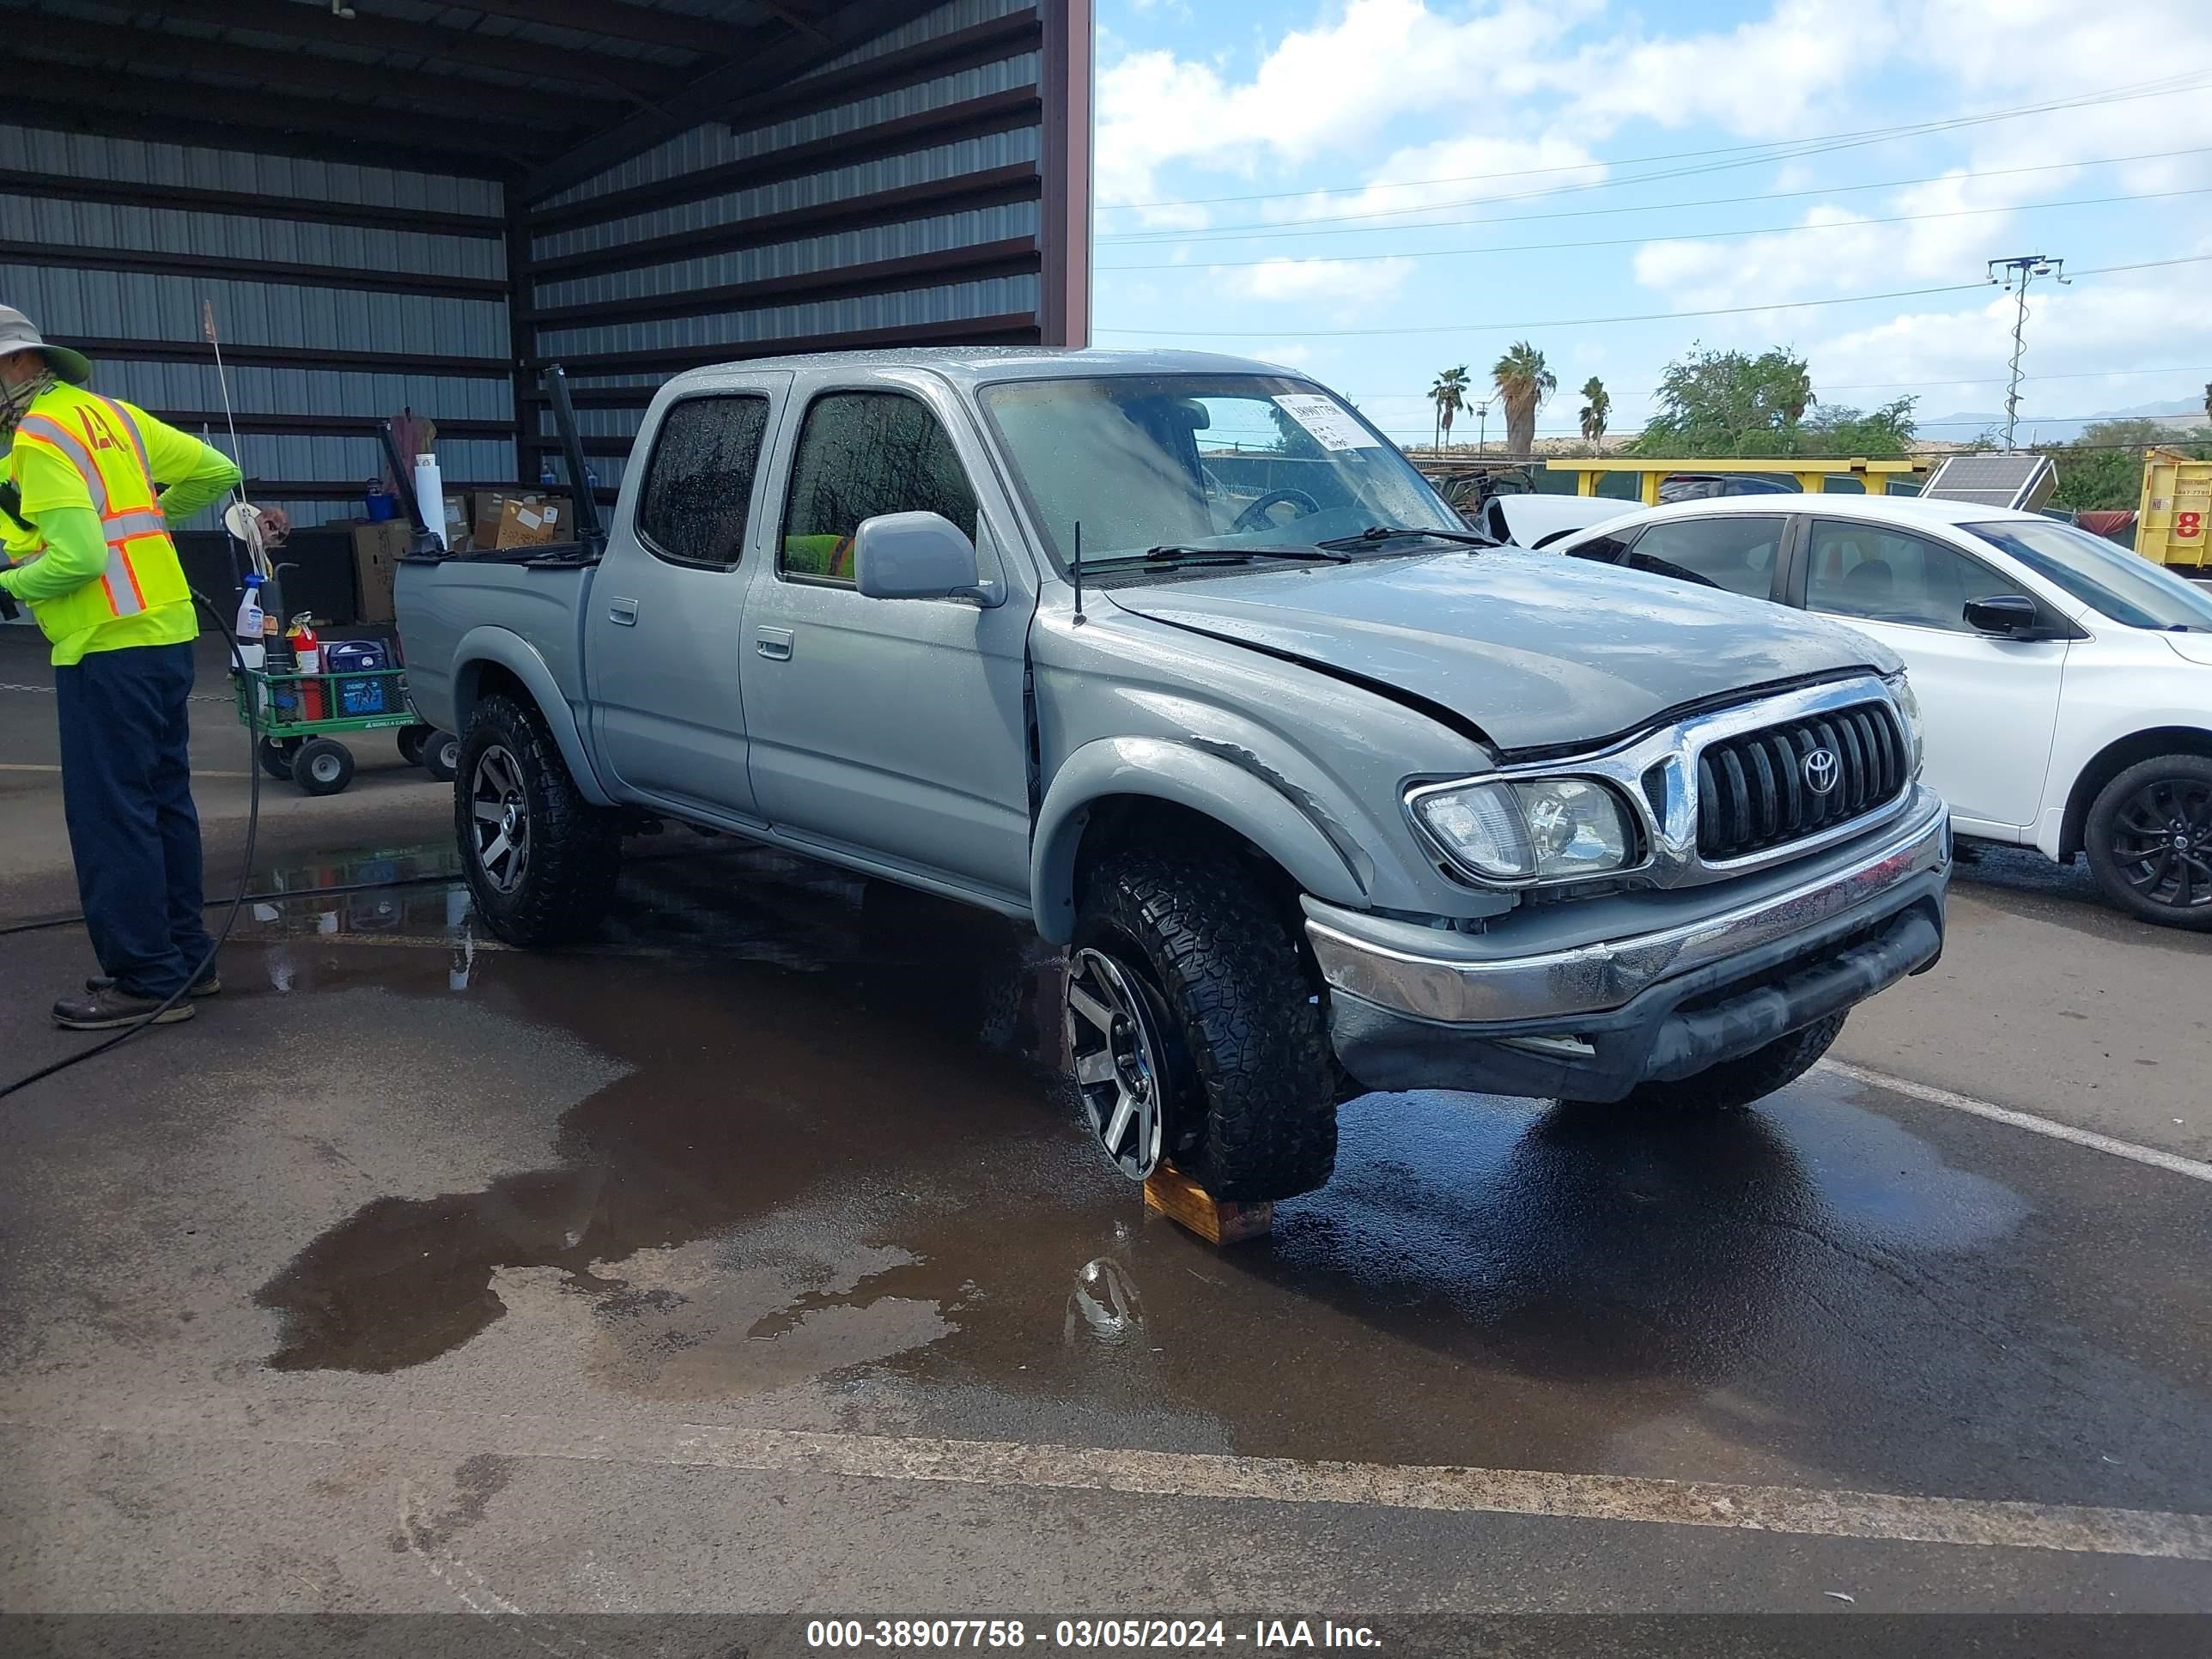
(133, 601)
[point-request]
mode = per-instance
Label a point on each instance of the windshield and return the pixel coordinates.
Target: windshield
(2125, 586)
(1202, 461)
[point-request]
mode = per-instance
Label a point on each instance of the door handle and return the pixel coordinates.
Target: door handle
(622, 612)
(773, 643)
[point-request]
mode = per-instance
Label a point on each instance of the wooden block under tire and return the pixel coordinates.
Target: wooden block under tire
(1217, 1221)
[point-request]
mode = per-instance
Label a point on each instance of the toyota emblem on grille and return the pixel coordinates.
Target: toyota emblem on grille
(1820, 771)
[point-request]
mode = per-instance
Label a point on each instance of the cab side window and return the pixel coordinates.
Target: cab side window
(1865, 570)
(699, 484)
(1734, 550)
(862, 453)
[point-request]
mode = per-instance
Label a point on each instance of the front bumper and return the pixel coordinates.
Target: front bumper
(1591, 1021)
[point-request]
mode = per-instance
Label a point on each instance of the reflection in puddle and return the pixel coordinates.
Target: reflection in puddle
(1104, 1306)
(839, 1149)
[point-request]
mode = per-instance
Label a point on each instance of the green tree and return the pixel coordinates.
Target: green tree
(1448, 394)
(2102, 469)
(1597, 408)
(1524, 383)
(1732, 403)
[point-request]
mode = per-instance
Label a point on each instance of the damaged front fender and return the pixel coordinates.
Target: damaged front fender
(1224, 782)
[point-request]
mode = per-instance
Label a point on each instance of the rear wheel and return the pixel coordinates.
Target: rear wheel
(275, 755)
(1195, 1028)
(2149, 840)
(1736, 1083)
(441, 756)
(411, 739)
(541, 860)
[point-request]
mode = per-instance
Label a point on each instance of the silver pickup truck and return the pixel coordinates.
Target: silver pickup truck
(1175, 657)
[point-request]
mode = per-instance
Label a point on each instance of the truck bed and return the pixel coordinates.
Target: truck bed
(536, 595)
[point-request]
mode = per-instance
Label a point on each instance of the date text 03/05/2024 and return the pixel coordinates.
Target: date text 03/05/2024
(1259, 1635)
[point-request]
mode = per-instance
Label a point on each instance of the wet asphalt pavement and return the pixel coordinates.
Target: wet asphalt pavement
(739, 1261)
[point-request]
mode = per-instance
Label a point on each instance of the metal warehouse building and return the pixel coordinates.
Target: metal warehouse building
(399, 205)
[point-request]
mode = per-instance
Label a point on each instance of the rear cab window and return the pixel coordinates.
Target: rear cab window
(699, 483)
(861, 454)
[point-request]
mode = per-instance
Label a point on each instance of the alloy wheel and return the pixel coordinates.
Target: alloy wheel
(499, 811)
(1116, 1052)
(2161, 842)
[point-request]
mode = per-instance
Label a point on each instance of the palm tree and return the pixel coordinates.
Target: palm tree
(1523, 383)
(1448, 394)
(1597, 406)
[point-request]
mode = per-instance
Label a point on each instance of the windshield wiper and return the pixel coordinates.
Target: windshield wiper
(1386, 532)
(1179, 553)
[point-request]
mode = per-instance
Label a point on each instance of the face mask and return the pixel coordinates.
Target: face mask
(15, 400)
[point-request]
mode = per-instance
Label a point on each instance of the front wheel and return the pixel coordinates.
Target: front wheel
(1734, 1083)
(541, 860)
(1195, 1028)
(322, 767)
(2149, 840)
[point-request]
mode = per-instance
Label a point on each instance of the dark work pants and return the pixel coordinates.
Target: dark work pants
(127, 789)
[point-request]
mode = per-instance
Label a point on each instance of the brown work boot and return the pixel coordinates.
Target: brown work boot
(208, 984)
(112, 1007)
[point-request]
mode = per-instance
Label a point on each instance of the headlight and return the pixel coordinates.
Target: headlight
(1900, 688)
(1530, 830)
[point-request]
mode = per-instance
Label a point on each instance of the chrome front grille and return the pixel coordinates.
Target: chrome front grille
(1778, 784)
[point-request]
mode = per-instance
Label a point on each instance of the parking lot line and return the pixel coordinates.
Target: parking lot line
(2174, 1163)
(1893, 1518)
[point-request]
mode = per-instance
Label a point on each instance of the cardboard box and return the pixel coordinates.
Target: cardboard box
(458, 524)
(527, 524)
(376, 549)
(488, 507)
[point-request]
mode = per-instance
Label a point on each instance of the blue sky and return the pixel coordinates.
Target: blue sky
(1273, 174)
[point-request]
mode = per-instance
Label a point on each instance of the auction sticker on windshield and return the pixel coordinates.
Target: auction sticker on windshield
(1332, 426)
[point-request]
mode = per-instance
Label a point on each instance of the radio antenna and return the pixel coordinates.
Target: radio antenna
(254, 554)
(1076, 563)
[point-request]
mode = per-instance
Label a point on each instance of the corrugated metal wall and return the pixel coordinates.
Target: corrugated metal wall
(908, 191)
(294, 339)
(878, 196)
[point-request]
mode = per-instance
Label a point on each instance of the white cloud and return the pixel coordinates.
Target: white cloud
(1764, 79)
(1452, 173)
(1317, 91)
(1321, 279)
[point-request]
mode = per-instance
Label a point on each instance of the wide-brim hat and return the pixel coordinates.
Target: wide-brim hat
(19, 333)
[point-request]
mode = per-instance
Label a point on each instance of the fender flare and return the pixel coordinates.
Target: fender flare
(510, 651)
(1262, 807)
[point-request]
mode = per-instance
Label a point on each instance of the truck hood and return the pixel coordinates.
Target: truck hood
(1537, 651)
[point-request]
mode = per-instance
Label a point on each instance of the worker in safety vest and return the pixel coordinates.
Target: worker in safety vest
(85, 521)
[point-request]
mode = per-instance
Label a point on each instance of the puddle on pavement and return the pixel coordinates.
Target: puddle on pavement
(842, 1151)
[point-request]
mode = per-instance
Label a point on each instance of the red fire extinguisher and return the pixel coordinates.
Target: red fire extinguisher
(308, 650)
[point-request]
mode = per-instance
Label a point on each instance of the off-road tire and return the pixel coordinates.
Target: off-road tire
(1251, 1091)
(576, 848)
(2193, 773)
(1736, 1083)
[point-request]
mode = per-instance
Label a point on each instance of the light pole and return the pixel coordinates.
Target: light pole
(2022, 268)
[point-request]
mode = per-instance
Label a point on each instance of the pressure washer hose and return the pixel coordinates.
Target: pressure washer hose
(237, 902)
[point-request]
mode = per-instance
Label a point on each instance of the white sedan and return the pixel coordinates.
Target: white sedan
(2066, 684)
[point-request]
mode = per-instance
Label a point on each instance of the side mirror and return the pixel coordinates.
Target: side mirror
(2008, 616)
(918, 555)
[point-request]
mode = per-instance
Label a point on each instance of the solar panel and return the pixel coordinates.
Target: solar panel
(2017, 481)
